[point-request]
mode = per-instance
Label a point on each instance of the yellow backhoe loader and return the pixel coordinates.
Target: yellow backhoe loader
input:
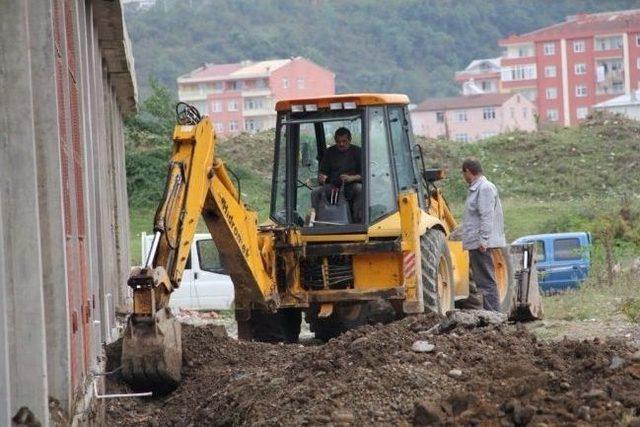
(309, 259)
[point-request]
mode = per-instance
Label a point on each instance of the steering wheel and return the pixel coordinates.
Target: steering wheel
(303, 184)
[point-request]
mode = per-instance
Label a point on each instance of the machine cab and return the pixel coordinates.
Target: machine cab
(379, 129)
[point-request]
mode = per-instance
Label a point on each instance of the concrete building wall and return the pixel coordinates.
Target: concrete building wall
(65, 82)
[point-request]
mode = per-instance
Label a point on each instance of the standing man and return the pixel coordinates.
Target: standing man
(340, 170)
(482, 230)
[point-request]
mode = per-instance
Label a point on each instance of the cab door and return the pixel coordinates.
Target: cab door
(211, 283)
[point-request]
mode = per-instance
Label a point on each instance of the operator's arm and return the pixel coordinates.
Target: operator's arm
(486, 205)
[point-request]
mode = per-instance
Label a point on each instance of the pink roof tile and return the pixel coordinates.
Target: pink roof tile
(467, 101)
(582, 25)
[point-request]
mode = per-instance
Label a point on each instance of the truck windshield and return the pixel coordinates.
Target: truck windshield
(302, 140)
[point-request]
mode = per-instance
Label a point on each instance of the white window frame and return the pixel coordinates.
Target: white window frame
(488, 113)
(233, 125)
(579, 46)
(580, 68)
(300, 82)
(549, 49)
(525, 112)
(582, 112)
(552, 115)
(551, 93)
(216, 107)
(637, 39)
(518, 72)
(550, 71)
(638, 63)
(440, 114)
(219, 127)
(460, 116)
(285, 83)
(232, 105)
(601, 44)
(461, 137)
(581, 91)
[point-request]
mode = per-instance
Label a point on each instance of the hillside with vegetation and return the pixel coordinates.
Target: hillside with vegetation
(559, 179)
(409, 46)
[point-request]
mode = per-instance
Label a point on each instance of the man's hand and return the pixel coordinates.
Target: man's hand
(349, 178)
(482, 248)
(322, 178)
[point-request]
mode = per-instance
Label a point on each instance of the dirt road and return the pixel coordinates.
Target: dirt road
(380, 375)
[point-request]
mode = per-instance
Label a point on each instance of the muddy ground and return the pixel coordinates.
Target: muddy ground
(492, 375)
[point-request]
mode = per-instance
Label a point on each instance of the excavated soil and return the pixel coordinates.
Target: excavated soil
(492, 375)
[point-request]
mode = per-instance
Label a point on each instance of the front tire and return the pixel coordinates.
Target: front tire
(437, 272)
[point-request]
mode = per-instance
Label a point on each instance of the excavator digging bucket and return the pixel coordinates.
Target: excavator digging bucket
(152, 353)
(528, 301)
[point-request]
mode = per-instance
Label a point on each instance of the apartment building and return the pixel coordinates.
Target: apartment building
(568, 67)
(241, 97)
(473, 117)
(480, 76)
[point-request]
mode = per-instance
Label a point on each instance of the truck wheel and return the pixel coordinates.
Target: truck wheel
(437, 272)
(505, 279)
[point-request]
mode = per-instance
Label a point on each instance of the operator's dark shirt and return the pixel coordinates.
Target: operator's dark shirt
(335, 162)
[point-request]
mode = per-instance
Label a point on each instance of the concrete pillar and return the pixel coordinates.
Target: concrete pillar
(49, 175)
(20, 221)
(5, 400)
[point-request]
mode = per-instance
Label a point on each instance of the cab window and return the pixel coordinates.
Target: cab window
(567, 249)
(208, 256)
(382, 199)
(401, 148)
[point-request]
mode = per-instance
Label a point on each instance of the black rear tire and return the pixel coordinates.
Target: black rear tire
(281, 326)
(437, 272)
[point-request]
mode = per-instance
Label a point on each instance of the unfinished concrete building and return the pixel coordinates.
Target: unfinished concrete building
(66, 80)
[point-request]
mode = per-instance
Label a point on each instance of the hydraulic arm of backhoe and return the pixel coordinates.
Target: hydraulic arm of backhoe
(197, 184)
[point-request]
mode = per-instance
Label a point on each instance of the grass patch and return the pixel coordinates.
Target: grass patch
(596, 300)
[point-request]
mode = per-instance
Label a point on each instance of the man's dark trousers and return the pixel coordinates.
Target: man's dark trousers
(485, 277)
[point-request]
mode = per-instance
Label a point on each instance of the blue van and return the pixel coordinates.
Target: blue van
(563, 259)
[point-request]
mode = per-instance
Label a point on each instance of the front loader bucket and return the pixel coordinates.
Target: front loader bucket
(152, 353)
(528, 302)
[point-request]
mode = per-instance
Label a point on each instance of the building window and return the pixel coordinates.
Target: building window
(285, 83)
(551, 93)
(233, 125)
(552, 115)
(460, 115)
(607, 43)
(461, 137)
(487, 86)
(581, 91)
(251, 126)
(579, 46)
(216, 106)
(219, 126)
(218, 87)
(580, 69)
(549, 49)
(638, 63)
(525, 112)
(233, 85)
(638, 39)
(300, 82)
(518, 72)
(232, 105)
(550, 71)
(488, 113)
(512, 112)
(609, 76)
(440, 116)
(582, 113)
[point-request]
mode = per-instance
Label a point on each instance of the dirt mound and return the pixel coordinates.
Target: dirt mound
(380, 375)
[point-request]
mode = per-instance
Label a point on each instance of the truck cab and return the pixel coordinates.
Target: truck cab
(563, 259)
(205, 283)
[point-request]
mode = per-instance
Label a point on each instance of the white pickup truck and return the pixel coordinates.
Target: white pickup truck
(205, 284)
